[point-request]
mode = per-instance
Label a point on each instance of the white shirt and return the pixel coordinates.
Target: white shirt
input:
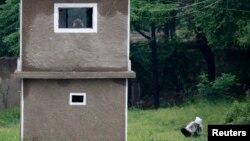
(192, 128)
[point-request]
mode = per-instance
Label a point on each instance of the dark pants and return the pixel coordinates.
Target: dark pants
(185, 132)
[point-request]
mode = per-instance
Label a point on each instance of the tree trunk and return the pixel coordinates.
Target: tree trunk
(203, 46)
(166, 31)
(153, 47)
(155, 73)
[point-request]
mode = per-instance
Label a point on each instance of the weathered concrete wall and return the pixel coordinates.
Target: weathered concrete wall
(49, 117)
(44, 50)
(9, 85)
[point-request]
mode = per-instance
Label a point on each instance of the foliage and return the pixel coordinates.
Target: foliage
(226, 22)
(244, 33)
(150, 15)
(140, 56)
(9, 117)
(179, 66)
(219, 88)
(239, 113)
(178, 69)
(9, 25)
(180, 63)
(144, 12)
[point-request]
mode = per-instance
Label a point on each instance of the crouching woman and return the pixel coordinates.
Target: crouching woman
(194, 128)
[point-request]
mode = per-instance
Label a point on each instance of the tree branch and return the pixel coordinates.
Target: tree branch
(140, 32)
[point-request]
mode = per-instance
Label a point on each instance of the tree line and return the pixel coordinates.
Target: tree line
(206, 26)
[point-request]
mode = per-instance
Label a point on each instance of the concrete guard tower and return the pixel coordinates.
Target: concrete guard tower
(74, 65)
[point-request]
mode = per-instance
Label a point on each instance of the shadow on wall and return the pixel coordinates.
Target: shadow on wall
(9, 85)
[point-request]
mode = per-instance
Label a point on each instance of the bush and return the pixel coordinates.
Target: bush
(221, 87)
(239, 113)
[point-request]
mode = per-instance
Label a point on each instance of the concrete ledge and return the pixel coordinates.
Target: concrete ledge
(75, 75)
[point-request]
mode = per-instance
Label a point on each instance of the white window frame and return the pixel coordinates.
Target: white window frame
(75, 5)
(77, 103)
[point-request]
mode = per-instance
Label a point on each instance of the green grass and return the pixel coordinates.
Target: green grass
(144, 125)
(165, 124)
(9, 133)
(9, 125)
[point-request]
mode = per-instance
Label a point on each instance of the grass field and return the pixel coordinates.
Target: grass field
(165, 124)
(144, 125)
(9, 125)
(9, 133)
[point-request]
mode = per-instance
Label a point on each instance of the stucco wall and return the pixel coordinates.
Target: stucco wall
(44, 50)
(49, 117)
(9, 85)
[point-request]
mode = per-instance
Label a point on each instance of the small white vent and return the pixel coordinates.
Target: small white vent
(77, 99)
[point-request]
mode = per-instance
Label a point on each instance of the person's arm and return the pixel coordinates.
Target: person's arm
(189, 127)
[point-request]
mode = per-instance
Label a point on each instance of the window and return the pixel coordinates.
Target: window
(77, 99)
(75, 18)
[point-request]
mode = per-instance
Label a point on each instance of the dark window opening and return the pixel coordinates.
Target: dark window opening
(77, 99)
(75, 17)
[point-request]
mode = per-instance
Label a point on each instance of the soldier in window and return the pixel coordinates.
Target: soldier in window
(78, 23)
